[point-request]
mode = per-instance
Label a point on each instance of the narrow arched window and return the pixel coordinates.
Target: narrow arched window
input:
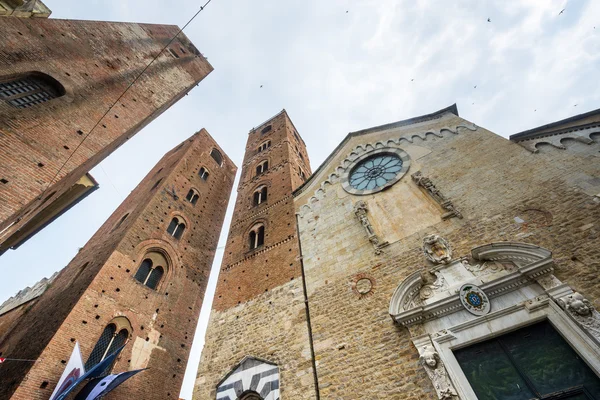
(203, 173)
(192, 196)
(28, 90)
(262, 167)
(216, 155)
(123, 218)
(112, 338)
(302, 175)
(257, 236)
(260, 195)
(264, 146)
(176, 228)
(266, 129)
(152, 269)
(156, 184)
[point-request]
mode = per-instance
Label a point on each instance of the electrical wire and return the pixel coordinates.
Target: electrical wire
(121, 96)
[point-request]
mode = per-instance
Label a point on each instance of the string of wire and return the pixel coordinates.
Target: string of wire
(123, 94)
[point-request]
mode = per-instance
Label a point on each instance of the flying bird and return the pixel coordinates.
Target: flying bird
(412, 79)
(489, 20)
(575, 105)
(346, 11)
(261, 86)
(475, 87)
(562, 11)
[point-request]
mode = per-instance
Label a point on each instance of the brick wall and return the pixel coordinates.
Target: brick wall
(82, 301)
(246, 273)
(95, 62)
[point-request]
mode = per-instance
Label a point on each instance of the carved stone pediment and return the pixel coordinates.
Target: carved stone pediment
(496, 268)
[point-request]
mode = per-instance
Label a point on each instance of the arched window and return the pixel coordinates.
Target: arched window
(151, 270)
(260, 195)
(192, 196)
(262, 167)
(266, 129)
(123, 218)
(112, 338)
(302, 175)
(216, 155)
(203, 173)
(264, 146)
(27, 90)
(156, 184)
(257, 236)
(176, 228)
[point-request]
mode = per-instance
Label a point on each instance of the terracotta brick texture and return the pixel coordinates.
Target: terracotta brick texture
(95, 62)
(98, 285)
(245, 272)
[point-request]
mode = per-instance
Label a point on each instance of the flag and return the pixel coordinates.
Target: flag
(94, 372)
(2, 360)
(99, 387)
(72, 372)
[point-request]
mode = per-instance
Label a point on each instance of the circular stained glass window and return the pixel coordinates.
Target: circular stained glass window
(375, 172)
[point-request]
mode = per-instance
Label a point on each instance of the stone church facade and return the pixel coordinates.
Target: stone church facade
(438, 260)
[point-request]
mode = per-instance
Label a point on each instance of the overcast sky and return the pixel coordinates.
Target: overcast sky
(336, 66)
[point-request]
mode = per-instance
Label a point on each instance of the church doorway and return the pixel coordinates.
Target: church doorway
(534, 362)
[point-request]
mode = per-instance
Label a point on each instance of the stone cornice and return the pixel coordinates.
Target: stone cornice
(257, 252)
(258, 213)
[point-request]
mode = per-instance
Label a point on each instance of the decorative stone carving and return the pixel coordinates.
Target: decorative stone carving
(583, 312)
(436, 249)
(434, 366)
(360, 210)
(474, 300)
(434, 192)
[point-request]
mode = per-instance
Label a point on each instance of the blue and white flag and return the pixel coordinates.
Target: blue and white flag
(99, 387)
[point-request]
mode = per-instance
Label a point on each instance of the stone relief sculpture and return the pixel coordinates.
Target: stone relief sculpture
(583, 312)
(434, 192)
(360, 210)
(436, 371)
(436, 249)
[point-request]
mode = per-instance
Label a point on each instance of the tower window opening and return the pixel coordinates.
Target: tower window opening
(203, 173)
(257, 236)
(266, 129)
(216, 155)
(302, 174)
(30, 89)
(262, 167)
(192, 196)
(123, 218)
(264, 146)
(260, 195)
(112, 338)
(156, 184)
(176, 228)
(148, 274)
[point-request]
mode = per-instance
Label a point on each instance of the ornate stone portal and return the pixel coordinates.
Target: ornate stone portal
(516, 277)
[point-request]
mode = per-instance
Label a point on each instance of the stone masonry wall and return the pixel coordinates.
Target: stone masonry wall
(98, 285)
(504, 192)
(95, 62)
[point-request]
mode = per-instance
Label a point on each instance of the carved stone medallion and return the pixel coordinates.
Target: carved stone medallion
(436, 249)
(474, 299)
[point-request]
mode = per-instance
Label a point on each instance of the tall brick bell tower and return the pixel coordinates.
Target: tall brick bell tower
(262, 248)
(260, 283)
(139, 281)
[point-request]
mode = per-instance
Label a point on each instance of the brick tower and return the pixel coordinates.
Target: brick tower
(57, 80)
(140, 280)
(261, 254)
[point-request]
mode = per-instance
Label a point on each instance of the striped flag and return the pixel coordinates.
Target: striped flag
(99, 387)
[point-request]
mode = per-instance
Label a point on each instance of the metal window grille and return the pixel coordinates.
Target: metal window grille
(27, 91)
(98, 353)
